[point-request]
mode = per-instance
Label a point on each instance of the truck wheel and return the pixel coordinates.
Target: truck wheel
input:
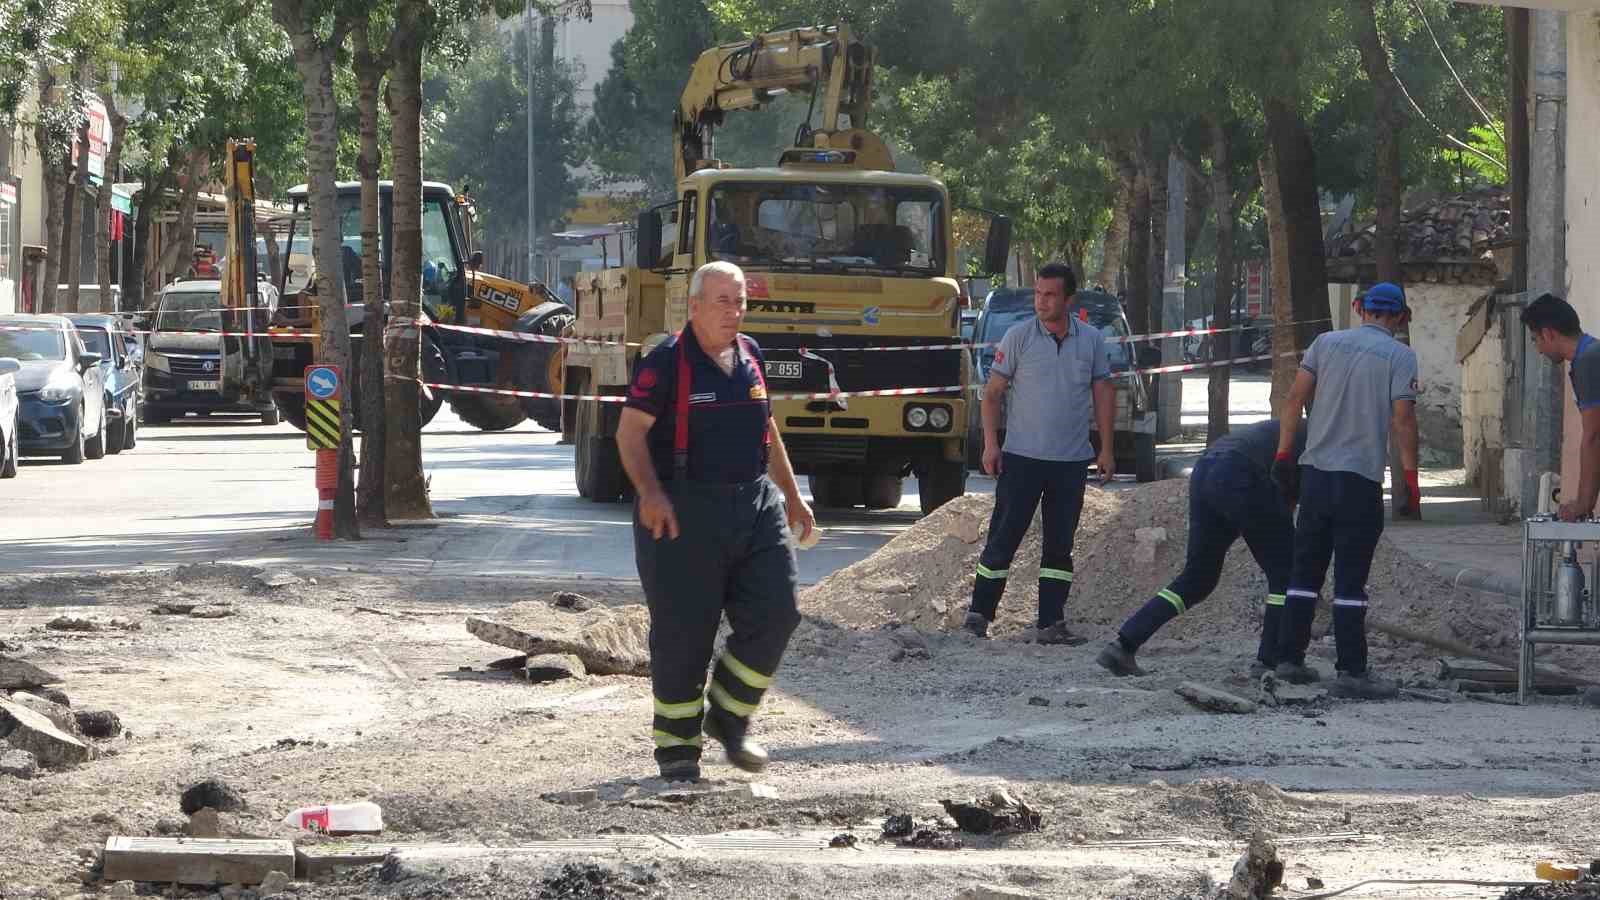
(1144, 457)
(883, 491)
(597, 465)
(542, 367)
(487, 412)
(269, 416)
(836, 491)
(292, 407)
(940, 483)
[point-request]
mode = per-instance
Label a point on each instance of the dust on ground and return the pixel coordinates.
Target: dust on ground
(362, 688)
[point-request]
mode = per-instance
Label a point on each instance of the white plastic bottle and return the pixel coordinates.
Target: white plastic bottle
(341, 818)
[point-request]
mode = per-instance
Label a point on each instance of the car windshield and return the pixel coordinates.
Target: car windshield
(95, 340)
(190, 311)
(32, 342)
(828, 227)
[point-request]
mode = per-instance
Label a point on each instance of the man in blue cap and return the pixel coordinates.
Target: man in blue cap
(1557, 335)
(1364, 385)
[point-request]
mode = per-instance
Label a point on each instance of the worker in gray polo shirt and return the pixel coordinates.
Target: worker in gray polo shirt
(1365, 384)
(1056, 368)
(1558, 336)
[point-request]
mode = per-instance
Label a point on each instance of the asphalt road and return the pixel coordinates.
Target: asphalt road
(228, 489)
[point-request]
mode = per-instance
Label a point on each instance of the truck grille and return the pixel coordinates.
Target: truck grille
(861, 371)
(194, 365)
(826, 448)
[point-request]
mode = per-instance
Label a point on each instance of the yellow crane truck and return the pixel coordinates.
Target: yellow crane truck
(842, 255)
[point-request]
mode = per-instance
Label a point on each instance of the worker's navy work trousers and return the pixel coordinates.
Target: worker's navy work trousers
(1229, 498)
(1340, 519)
(1024, 485)
(733, 557)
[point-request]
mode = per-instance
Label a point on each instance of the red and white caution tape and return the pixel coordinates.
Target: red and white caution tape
(608, 398)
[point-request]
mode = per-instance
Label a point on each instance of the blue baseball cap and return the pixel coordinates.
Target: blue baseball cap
(1384, 297)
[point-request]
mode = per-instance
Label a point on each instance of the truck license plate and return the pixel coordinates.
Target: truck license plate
(203, 385)
(783, 369)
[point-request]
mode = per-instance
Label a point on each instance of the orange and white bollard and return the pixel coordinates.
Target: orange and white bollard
(327, 485)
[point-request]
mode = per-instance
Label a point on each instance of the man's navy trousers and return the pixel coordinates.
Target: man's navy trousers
(1229, 497)
(1341, 519)
(1025, 483)
(732, 556)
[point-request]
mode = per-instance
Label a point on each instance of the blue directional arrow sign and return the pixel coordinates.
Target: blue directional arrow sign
(322, 382)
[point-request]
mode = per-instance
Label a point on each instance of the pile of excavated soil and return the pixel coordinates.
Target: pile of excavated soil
(924, 577)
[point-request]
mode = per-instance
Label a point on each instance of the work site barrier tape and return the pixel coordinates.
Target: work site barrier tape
(611, 398)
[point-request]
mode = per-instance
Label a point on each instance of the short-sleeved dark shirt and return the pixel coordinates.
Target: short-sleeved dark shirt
(727, 413)
(1585, 373)
(1258, 443)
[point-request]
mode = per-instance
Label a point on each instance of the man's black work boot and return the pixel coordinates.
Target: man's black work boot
(1365, 686)
(976, 625)
(1118, 660)
(729, 731)
(680, 770)
(1297, 673)
(1058, 633)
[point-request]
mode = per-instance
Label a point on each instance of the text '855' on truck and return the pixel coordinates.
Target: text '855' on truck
(841, 255)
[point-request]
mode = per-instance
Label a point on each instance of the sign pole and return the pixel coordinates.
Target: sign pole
(324, 432)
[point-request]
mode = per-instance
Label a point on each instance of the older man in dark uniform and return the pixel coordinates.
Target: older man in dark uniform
(712, 529)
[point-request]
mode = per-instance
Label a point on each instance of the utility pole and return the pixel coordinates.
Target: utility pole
(1543, 402)
(533, 219)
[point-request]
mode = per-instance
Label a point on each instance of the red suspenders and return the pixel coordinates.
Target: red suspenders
(680, 422)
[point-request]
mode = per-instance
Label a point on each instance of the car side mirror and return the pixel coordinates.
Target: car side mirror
(9, 366)
(1149, 357)
(88, 360)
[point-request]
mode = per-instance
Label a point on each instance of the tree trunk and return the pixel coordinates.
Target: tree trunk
(77, 209)
(1299, 227)
(407, 486)
(1284, 365)
(1221, 344)
(102, 225)
(369, 80)
(71, 210)
(175, 251)
(1138, 282)
(1386, 127)
(314, 59)
(44, 300)
(1155, 166)
(1116, 242)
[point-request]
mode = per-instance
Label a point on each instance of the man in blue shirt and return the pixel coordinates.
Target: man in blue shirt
(1365, 387)
(1057, 370)
(1553, 324)
(712, 531)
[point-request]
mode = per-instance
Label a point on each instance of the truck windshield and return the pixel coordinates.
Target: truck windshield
(828, 227)
(33, 343)
(190, 311)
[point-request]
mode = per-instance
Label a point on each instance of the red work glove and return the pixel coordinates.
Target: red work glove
(1413, 506)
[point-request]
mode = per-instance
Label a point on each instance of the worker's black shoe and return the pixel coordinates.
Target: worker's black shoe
(1058, 633)
(1259, 668)
(1297, 673)
(1365, 686)
(976, 625)
(680, 770)
(1118, 660)
(730, 733)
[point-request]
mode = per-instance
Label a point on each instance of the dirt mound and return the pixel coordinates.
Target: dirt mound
(1238, 807)
(924, 576)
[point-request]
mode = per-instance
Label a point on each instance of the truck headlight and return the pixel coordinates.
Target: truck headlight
(154, 360)
(60, 388)
(917, 417)
(939, 418)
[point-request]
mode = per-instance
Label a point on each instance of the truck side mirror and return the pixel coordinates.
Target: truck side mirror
(1149, 357)
(997, 249)
(476, 261)
(649, 239)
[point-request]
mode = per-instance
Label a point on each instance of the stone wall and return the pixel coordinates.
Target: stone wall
(1483, 386)
(1437, 313)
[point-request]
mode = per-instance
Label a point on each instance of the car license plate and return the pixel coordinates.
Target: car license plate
(203, 385)
(783, 369)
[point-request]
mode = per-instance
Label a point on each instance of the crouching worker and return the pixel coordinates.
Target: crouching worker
(1231, 495)
(711, 529)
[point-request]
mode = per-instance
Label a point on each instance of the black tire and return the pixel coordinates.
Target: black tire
(292, 407)
(434, 371)
(597, 464)
(882, 491)
(74, 454)
(939, 484)
(270, 416)
(1144, 457)
(486, 412)
(115, 438)
(836, 491)
(95, 447)
(130, 431)
(8, 469)
(542, 367)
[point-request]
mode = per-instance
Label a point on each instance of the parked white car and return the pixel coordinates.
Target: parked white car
(9, 368)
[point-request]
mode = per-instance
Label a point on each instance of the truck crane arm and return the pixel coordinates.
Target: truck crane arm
(749, 74)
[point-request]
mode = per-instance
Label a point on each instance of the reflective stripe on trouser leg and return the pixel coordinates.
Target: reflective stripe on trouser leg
(1060, 508)
(737, 688)
(1156, 612)
(1055, 583)
(1350, 634)
(1294, 632)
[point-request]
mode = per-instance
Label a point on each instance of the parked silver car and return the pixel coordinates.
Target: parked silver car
(9, 416)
